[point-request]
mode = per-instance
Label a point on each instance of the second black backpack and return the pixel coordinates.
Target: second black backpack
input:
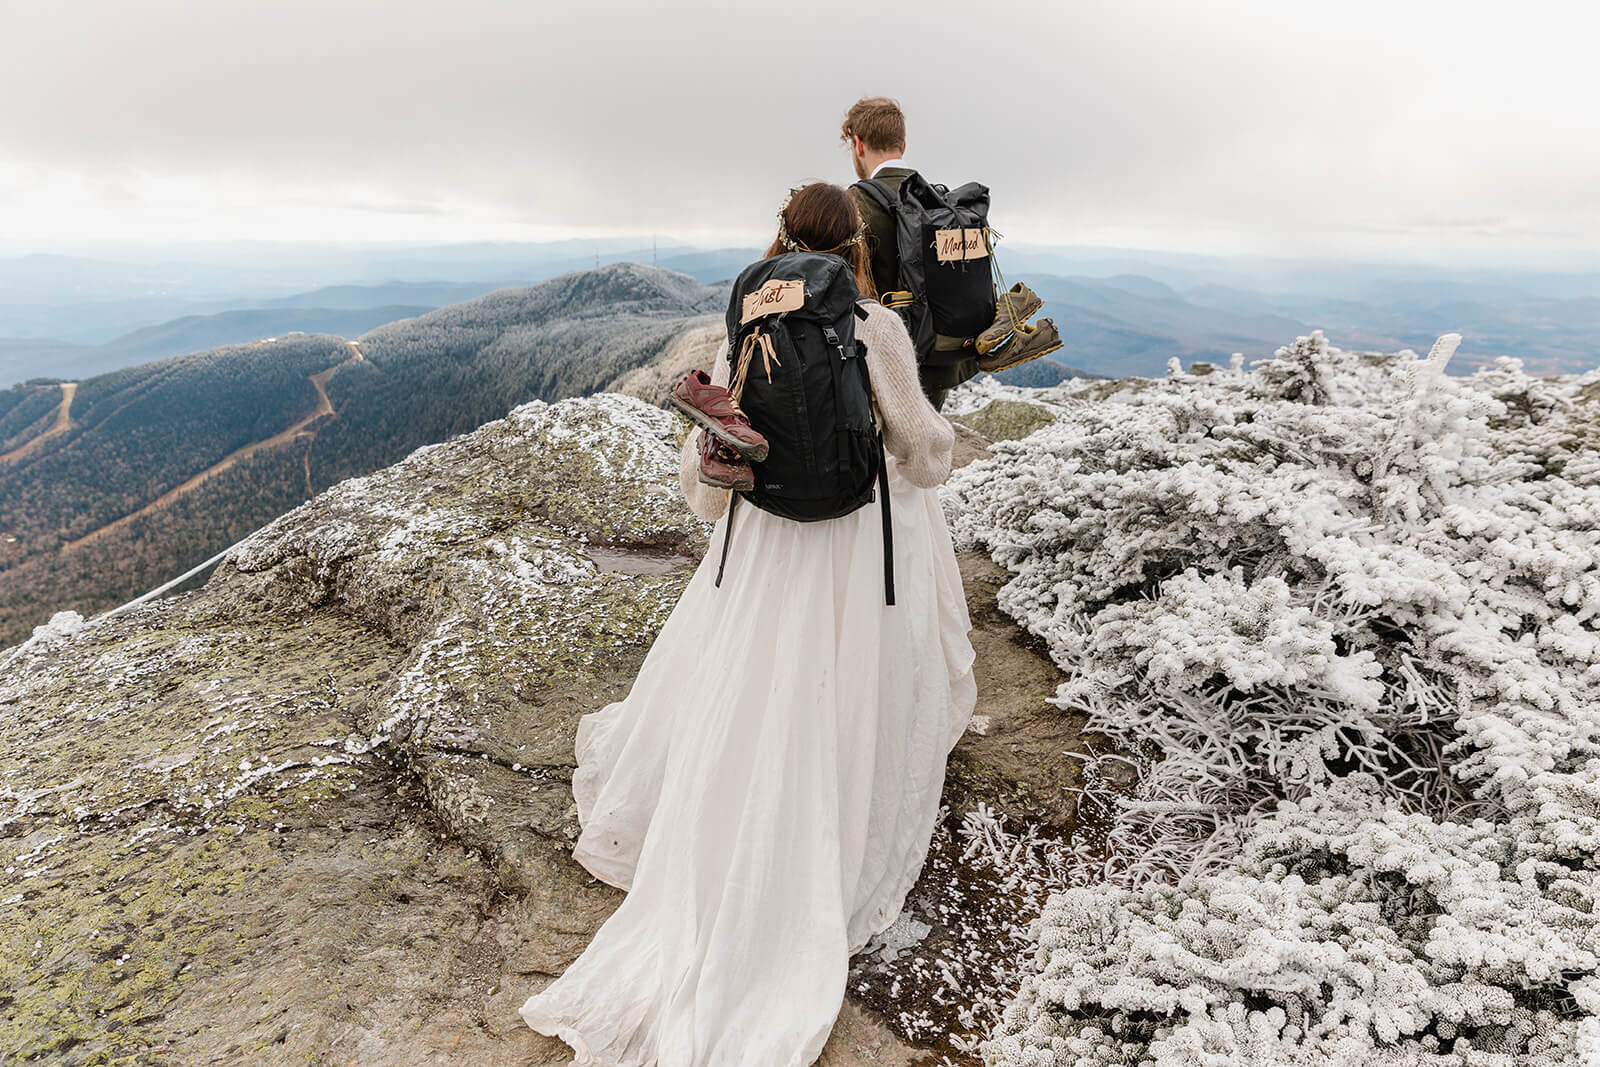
(800, 377)
(946, 285)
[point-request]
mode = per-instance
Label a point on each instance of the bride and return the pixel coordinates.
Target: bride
(767, 791)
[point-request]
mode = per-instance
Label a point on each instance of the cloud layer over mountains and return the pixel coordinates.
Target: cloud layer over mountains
(1256, 127)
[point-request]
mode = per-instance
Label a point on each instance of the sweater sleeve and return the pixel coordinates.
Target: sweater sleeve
(706, 501)
(916, 435)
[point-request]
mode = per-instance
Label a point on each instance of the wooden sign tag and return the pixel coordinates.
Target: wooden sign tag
(774, 298)
(955, 245)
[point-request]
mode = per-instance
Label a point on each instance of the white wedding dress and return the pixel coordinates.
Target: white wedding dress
(767, 791)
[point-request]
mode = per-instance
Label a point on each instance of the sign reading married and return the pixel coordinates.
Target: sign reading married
(777, 296)
(953, 245)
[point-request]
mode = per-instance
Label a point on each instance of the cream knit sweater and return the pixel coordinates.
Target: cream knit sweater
(916, 435)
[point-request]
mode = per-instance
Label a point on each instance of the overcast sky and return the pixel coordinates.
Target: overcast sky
(1397, 129)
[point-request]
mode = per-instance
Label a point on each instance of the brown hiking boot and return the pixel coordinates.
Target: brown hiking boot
(713, 407)
(1028, 342)
(1011, 309)
(722, 467)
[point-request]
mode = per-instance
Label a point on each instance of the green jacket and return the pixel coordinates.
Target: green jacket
(880, 230)
(885, 252)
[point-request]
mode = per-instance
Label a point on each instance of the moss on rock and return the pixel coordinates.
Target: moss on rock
(319, 810)
(1007, 420)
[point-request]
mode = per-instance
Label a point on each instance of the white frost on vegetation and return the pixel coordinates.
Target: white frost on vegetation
(1342, 610)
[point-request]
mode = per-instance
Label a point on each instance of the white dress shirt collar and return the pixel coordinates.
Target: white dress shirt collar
(896, 162)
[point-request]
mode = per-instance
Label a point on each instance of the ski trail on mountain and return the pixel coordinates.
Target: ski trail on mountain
(62, 424)
(301, 428)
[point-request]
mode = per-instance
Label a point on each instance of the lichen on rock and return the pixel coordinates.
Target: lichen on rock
(288, 782)
(320, 808)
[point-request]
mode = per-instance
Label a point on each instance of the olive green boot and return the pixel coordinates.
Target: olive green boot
(1027, 342)
(1011, 309)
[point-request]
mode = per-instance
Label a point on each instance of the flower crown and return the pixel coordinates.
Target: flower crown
(794, 245)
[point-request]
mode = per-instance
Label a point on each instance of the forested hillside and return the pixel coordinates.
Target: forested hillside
(449, 372)
(138, 432)
(70, 502)
(160, 466)
(23, 410)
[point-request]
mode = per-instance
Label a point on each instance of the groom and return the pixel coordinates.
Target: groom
(875, 132)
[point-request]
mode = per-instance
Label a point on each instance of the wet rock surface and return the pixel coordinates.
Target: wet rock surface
(318, 811)
(1011, 756)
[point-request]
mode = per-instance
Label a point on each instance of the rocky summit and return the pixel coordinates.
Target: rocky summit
(318, 811)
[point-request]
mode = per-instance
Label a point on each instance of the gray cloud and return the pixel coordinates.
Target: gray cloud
(1249, 126)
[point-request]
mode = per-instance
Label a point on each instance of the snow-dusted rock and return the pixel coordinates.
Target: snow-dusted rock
(320, 808)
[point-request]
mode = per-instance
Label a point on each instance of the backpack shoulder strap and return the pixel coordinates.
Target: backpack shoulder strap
(879, 191)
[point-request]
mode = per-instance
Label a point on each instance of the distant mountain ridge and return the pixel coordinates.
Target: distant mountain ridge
(88, 300)
(22, 360)
(114, 484)
(1132, 325)
(425, 295)
(1239, 303)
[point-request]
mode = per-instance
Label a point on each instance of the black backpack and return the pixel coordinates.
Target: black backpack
(792, 324)
(945, 285)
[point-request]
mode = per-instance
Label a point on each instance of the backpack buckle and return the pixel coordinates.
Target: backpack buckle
(832, 337)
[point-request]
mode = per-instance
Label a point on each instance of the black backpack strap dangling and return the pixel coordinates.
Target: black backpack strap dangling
(733, 497)
(888, 526)
(727, 535)
(883, 484)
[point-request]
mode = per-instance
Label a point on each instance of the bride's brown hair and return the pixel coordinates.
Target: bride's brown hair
(822, 217)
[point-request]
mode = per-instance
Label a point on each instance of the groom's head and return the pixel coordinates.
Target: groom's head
(874, 130)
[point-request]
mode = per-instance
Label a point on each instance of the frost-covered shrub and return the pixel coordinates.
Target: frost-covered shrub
(1345, 610)
(1300, 371)
(1343, 929)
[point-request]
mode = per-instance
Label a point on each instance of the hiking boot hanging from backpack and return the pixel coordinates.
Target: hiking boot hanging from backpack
(714, 408)
(1028, 341)
(1012, 308)
(722, 467)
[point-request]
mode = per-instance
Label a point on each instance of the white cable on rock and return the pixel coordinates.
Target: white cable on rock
(9, 656)
(179, 580)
